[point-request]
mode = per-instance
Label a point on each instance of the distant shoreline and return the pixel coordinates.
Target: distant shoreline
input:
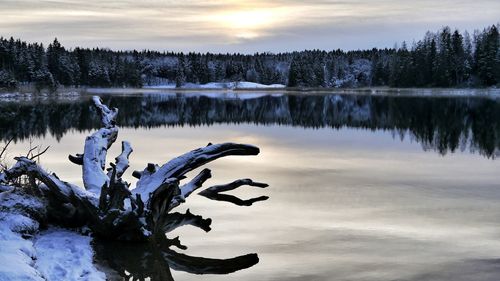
(376, 91)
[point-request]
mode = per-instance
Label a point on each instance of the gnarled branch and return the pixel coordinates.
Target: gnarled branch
(108, 116)
(69, 204)
(176, 220)
(93, 160)
(121, 161)
(179, 166)
(190, 187)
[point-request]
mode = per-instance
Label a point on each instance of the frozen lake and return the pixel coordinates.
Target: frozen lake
(380, 187)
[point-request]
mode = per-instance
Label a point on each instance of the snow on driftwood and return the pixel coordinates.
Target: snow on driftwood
(96, 147)
(176, 168)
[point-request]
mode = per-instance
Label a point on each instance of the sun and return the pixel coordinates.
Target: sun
(252, 19)
(250, 23)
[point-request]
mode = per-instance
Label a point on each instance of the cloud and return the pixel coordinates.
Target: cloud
(235, 25)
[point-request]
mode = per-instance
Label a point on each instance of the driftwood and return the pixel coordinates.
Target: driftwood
(113, 211)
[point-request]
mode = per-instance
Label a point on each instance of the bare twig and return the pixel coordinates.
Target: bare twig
(5, 147)
(40, 153)
(30, 151)
(3, 164)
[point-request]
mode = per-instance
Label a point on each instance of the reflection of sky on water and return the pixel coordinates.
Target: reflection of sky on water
(344, 205)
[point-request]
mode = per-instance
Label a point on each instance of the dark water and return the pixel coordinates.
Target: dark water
(361, 187)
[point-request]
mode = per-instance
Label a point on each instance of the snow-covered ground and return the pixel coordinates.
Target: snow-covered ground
(65, 255)
(240, 96)
(29, 96)
(17, 255)
(26, 254)
(220, 85)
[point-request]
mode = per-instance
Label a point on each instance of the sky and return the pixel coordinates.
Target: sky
(222, 26)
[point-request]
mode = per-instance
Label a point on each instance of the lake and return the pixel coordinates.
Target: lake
(361, 187)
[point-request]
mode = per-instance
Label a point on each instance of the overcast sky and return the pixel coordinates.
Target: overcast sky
(239, 26)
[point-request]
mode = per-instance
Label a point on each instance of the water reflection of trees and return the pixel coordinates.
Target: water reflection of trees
(443, 124)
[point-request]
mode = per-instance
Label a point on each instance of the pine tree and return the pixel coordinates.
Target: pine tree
(180, 76)
(443, 71)
(468, 56)
(458, 58)
(44, 80)
(7, 80)
(487, 54)
(293, 74)
(54, 53)
(220, 72)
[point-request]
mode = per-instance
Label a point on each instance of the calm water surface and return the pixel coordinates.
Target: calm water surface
(361, 187)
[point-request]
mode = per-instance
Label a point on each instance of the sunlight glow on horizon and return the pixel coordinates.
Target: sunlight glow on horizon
(249, 24)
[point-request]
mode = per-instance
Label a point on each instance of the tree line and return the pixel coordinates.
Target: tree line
(447, 58)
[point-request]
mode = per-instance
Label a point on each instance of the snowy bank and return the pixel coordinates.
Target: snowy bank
(19, 252)
(65, 255)
(55, 254)
(220, 85)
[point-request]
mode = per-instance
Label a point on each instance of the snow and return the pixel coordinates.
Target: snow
(354, 75)
(5, 188)
(162, 86)
(147, 184)
(10, 200)
(17, 96)
(226, 95)
(121, 161)
(220, 85)
(107, 115)
(16, 254)
(55, 254)
(65, 255)
(94, 159)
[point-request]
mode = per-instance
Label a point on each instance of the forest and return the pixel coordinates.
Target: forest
(446, 58)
